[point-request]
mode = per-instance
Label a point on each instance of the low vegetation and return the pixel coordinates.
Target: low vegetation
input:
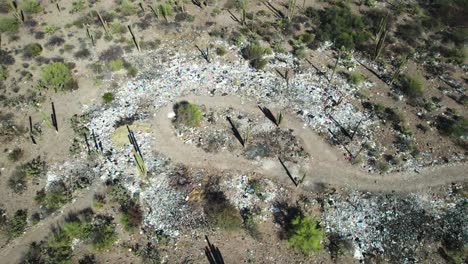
(306, 235)
(31, 6)
(412, 86)
(254, 53)
(187, 114)
(18, 223)
(56, 195)
(108, 97)
(32, 50)
(9, 24)
(57, 76)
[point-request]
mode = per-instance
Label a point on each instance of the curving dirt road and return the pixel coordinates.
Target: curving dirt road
(327, 164)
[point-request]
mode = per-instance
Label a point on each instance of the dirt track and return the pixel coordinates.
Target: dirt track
(327, 164)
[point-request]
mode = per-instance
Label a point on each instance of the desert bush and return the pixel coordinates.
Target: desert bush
(132, 71)
(412, 86)
(166, 10)
(223, 214)
(32, 50)
(187, 114)
(306, 235)
(36, 168)
(88, 259)
(50, 29)
(5, 58)
(254, 53)
(18, 223)
(16, 154)
(55, 197)
(127, 8)
(32, 6)
(98, 201)
(8, 24)
(55, 41)
(221, 51)
(340, 25)
(108, 97)
(82, 54)
(411, 32)
(249, 222)
(78, 6)
(57, 76)
(3, 73)
(103, 233)
(17, 181)
(356, 78)
(132, 216)
(116, 65)
(455, 127)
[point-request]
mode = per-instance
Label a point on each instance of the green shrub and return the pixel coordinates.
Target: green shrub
(412, 86)
(306, 235)
(221, 51)
(166, 10)
(356, 78)
(31, 6)
(3, 73)
(55, 197)
(57, 247)
(254, 53)
(78, 6)
(116, 65)
(8, 24)
(35, 169)
(57, 76)
(187, 114)
(340, 25)
(18, 223)
(32, 50)
(103, 233)
(50, 29)
(456, 127)
(225, 216)
(108, 97)
(127, 8)
(132, 216)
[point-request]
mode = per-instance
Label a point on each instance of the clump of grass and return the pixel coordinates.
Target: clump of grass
(32, 50)
(356, 78)
(306, 235)
(78, 6)
(116, 65)
(166, 10)
(187, 114)
(108, 97)
(32, 6)
(57, 76)
(412, 86)
(8, 24)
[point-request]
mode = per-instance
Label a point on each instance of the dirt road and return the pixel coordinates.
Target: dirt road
(327, 164)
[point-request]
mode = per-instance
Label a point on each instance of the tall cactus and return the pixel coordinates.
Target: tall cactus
(291, 9)
(381, 36)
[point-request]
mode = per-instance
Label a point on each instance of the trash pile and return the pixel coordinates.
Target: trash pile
(398, 227)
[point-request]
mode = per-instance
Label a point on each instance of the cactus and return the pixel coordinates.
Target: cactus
(400, 64)
(291, 9)
(103, 23)
(336, 64)
(280, 118)
(381, 36)
(247, 135)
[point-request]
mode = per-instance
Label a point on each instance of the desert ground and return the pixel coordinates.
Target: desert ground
(233, 131)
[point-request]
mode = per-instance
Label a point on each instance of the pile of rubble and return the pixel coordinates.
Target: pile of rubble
(398, 227)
